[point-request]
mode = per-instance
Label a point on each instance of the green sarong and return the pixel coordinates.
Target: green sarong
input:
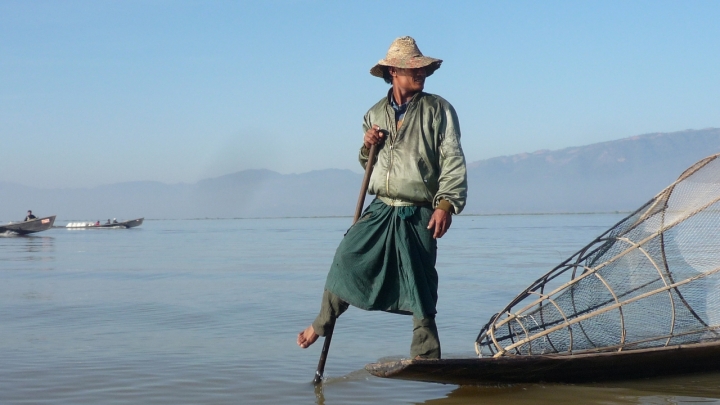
(386, 262)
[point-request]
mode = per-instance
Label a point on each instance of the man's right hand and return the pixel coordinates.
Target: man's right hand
(373, 136)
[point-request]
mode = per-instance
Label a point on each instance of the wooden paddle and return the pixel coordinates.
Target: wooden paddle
(358, 210)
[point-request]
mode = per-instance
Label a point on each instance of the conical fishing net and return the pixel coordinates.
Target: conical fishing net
(652, 280)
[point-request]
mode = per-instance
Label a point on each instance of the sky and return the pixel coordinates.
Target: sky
(99, 92)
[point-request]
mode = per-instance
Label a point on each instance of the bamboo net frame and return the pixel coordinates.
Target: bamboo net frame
(651, 280)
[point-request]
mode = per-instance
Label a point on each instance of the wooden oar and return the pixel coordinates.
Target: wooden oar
(358, 211)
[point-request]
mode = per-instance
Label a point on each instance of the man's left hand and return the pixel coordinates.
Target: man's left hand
(440, 221)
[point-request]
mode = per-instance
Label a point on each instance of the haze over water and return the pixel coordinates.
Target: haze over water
(206, 312)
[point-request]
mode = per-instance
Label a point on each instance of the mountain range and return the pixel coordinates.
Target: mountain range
(610, 176)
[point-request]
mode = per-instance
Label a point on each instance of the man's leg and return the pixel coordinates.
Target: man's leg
(425, 342)
(330, 309)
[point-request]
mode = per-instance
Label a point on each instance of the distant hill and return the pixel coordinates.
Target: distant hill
(604, 177)
(609, 176)
(246, 194)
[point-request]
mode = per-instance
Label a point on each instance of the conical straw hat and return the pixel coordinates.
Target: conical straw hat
(404, 53)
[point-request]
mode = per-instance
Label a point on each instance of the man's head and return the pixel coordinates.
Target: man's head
(29, 212)
(405, 55)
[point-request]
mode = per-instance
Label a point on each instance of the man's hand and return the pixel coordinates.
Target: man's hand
(374, 135)
(441, 221)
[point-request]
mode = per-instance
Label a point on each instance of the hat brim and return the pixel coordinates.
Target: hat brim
(430, 65)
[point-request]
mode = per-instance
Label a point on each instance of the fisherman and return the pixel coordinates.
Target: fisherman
(386, 261)
(30, 216)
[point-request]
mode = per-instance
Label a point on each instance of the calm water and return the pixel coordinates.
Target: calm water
(206, 312)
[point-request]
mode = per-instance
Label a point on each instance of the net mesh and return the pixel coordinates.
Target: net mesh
(651, 280)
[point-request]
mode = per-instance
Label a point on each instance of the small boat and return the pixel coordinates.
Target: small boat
(31, 226)
(94, 225)
(556, 368)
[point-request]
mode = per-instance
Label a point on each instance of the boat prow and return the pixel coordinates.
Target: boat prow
(133, 223)
(577, 368)
(27, 227)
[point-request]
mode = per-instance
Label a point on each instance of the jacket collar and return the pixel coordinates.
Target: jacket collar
(391, 101)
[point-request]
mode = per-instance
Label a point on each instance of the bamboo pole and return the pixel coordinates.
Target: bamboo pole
(358, 210)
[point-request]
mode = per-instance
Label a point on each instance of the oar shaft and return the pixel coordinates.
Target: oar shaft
(323, 356)
(358, 210)
(365, 182)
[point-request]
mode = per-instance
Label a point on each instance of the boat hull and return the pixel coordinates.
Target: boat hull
(133, 223)
(124, 225)
(28, 227)
(580, 368)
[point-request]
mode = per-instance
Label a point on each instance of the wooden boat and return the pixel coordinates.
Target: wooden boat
(31, 226)
(92, 225)
(641, 300)
(576, 368)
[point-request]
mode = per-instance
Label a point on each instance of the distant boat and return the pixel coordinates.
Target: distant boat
(93, 225)
(31, 226)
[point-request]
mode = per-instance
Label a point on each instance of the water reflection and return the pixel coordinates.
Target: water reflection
(28, 248)
(37, 244)
(689, 389)
(319, 395)
(535, 394)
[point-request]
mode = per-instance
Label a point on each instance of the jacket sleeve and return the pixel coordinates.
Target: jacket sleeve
(452, 183)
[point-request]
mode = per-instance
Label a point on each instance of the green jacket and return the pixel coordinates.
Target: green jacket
(423, 161)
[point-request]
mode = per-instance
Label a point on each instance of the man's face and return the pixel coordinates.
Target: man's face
(411, 80)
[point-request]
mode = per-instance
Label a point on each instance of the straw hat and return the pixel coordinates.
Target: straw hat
(404, 53)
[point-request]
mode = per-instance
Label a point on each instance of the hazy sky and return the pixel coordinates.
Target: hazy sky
(98, 92)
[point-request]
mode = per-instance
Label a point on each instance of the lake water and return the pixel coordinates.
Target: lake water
(207, 312)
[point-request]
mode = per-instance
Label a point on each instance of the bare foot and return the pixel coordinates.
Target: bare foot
(307, 337)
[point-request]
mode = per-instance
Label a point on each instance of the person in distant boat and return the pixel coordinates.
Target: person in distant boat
(108, 222)
(97, 223)
(115, 221)
(30, 216)
(386, 261)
